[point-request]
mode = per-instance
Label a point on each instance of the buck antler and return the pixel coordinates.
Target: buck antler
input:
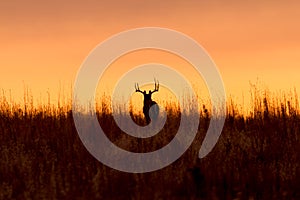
(137, 88)
(156, 85)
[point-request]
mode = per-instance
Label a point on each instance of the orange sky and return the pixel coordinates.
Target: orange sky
(45, 42)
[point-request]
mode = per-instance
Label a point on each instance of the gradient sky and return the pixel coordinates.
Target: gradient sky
(43, 43)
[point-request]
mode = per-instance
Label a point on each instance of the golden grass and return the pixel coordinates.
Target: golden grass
(256, 157)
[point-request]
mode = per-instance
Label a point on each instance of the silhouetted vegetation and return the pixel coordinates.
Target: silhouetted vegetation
(256, 157)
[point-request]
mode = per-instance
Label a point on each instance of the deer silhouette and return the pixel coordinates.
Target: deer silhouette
(148, 102)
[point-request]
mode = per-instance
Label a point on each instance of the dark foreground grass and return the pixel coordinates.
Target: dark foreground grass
(256, 157)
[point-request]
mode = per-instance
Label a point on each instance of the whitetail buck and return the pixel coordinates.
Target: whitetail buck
(148, 102)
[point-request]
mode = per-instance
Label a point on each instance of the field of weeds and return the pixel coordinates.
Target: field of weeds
(256, 157)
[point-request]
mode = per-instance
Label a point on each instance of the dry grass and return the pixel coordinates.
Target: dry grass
(256, 157)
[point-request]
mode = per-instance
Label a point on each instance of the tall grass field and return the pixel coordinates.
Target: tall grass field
(256, 157)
